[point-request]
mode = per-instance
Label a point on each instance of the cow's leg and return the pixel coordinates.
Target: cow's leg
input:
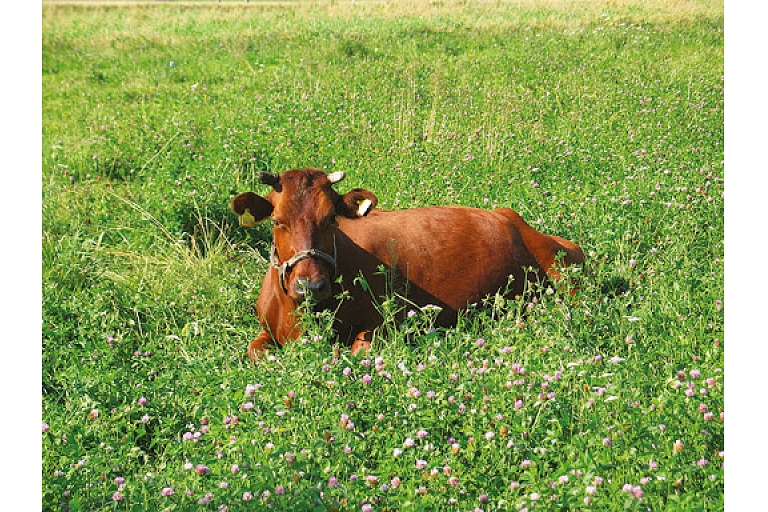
(362, 342)
(572, 255)
(258, 347)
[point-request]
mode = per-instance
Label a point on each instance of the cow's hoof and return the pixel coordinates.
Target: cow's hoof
(259, 348)
(360, 346)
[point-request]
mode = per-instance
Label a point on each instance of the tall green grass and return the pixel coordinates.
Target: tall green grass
(601, 122)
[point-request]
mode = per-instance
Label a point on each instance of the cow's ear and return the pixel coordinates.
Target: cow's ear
(251, 208)
(358, 202)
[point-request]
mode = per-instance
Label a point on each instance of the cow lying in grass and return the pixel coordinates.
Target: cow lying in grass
(448, 256)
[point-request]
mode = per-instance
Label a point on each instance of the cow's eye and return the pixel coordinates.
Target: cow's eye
(276, 223)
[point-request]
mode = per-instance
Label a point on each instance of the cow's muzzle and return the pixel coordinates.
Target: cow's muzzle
(314, 288)
(305, 287)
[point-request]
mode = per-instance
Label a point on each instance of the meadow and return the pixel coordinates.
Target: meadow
(600, 121)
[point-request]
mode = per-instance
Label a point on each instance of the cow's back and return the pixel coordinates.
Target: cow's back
(443, 255)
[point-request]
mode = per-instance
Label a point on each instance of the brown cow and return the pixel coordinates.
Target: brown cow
(449, 256)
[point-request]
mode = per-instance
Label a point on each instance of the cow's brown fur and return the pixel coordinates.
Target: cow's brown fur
(449, 256)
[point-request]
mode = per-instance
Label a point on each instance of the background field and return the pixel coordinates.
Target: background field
(598, 121)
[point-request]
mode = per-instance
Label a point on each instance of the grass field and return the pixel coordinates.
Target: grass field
(602, 122)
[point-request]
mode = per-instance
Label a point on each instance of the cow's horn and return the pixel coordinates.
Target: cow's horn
(268, 178)
(337, 176)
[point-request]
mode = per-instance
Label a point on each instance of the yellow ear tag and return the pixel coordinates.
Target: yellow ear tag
(246, 219)
(363, 207)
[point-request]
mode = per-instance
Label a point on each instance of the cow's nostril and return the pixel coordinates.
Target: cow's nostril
(303, 286)
(318, 286)
(307, 286)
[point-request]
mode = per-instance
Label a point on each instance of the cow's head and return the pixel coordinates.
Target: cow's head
(304, 208)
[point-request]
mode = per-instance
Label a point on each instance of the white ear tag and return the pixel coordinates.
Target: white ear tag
(364, 207)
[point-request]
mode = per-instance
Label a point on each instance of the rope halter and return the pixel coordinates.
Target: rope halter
(286, 267)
